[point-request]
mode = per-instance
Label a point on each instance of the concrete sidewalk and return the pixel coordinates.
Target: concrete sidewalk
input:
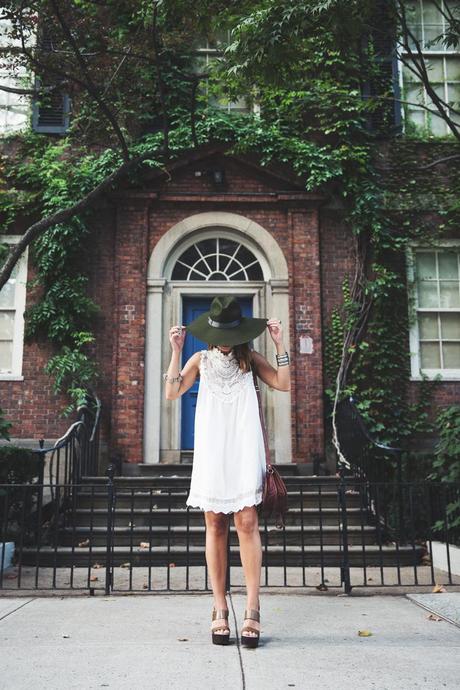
(163, 642)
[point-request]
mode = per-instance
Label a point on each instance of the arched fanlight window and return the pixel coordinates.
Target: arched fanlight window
(217, 259)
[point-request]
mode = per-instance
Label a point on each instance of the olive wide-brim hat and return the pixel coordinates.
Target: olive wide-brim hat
(223, 324)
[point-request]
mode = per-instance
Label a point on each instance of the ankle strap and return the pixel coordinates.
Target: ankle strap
(219, 613)
(253, 614)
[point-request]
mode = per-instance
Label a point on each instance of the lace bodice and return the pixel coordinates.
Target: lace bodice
(222, 374)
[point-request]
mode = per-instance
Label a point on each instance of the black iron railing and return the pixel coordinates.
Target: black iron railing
(117, 537)
(76, 454)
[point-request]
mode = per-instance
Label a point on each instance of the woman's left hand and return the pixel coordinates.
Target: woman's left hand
(275, 330)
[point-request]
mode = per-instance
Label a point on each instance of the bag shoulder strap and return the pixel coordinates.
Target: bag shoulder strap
(261, 415)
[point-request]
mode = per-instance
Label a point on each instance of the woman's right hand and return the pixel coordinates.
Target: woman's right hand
(176, 337)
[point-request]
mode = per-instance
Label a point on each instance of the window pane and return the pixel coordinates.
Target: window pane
(435, 66)
(7, 293)
(450, 296)
(426, 265)
(180, 272)
(453, 68)
(451, 354)
(448, 265)
(428, 293)
(6, 325)
(450, 326)
(190, 256)
(428, 326)
(6, 356)
(255, 272)
(430, 356)
(207, 246)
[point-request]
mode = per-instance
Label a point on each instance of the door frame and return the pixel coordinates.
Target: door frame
(162, 421)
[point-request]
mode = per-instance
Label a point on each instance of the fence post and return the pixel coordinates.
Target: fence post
(110, 472)
(345, 565)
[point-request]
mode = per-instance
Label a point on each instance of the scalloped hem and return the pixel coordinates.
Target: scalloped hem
(219, 508)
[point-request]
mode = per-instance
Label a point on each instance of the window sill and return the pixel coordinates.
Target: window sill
(11, 377)
(431, 377)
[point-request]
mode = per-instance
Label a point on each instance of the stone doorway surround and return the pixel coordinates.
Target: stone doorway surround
(162, 421)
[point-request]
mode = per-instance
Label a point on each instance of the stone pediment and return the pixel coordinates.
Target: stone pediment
(212, 171)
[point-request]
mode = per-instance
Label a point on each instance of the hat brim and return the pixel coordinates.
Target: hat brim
(247, 330)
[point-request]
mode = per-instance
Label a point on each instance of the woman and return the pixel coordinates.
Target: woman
(229, 454)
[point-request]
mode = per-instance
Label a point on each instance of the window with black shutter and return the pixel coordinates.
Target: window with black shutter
(51, 111)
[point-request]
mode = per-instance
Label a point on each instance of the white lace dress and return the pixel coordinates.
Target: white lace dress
(229, 456)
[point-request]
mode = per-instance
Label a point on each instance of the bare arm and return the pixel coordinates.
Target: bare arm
(190, 370)
(279, 378)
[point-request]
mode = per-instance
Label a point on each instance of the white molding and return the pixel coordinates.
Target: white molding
(162, 418)
(416, 372)
(19, 306)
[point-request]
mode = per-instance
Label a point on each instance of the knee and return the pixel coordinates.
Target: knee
(217, 523)
(246, 520)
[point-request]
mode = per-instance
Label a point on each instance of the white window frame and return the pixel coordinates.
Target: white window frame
(414, 336)
(19, 307)
(444, 55)
(209, 53)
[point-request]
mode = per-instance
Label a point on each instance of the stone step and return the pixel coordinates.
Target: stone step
(138, 498)
(177, 535)
(185, 468)
(183, 480)
(312, 556)
(84, 517)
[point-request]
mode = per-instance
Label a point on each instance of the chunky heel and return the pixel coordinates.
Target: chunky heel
(219, 638)
(251, 640)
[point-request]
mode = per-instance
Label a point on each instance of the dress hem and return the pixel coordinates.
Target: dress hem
(216, 508)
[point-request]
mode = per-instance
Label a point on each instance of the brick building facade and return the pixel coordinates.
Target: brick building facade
(301, 249)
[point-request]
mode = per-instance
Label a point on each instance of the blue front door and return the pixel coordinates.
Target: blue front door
(193, 307)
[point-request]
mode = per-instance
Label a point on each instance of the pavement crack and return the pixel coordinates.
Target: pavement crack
(16, 609)
(238, 643)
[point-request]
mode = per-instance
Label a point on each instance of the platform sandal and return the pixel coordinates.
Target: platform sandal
(219, 638)
(251, 640)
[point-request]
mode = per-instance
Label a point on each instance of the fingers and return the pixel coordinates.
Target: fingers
(177, 330)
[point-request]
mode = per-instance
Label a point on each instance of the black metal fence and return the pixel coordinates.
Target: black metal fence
(109, 537)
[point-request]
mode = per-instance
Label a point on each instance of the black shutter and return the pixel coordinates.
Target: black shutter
(50, 112)
(386, 117)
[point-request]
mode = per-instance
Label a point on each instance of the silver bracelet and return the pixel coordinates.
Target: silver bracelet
(282, 360)
(172, 379)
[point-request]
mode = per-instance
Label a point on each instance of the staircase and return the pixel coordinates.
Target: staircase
(153, 527)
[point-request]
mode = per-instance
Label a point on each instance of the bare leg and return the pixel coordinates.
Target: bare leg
(216, 559)
(247, 526)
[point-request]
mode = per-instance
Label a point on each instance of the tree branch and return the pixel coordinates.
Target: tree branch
(161, 86)
(90, 85)
(38, 228)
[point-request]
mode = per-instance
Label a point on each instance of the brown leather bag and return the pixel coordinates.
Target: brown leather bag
(274, 497)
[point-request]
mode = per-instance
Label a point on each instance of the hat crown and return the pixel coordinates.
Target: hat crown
(225, 309)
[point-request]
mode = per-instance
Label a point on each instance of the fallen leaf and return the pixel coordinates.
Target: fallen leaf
(183, 639)
(97, 565)
(439, 588)
(145, 586)
(322, 587)
(11, 576)
(65, 635)
(84, 543)
(172, 565)
(432, 617)
(93, 578)
(364, 633)
(125, 565)
(144, 545)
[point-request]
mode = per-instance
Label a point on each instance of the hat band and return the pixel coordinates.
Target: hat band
(223, 324)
